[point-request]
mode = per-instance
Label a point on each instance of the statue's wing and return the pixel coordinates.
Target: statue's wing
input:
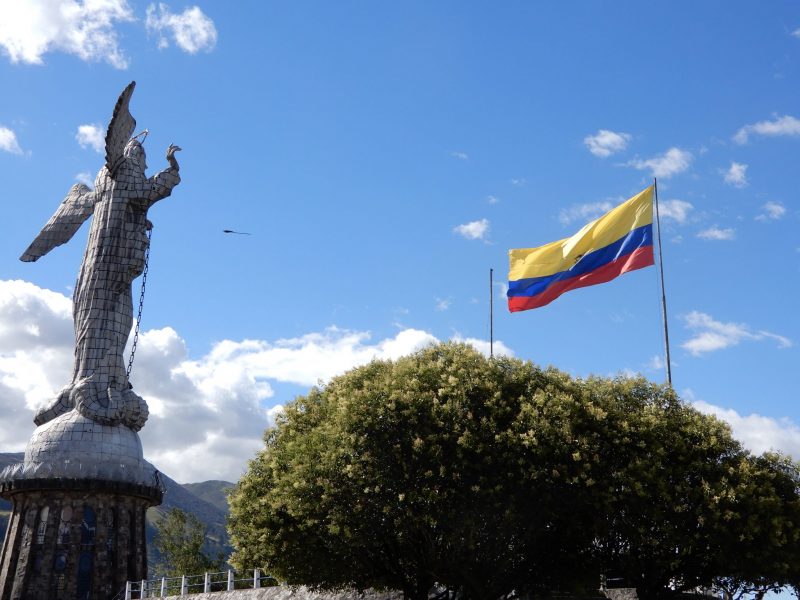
(120, 130)
(69, 217)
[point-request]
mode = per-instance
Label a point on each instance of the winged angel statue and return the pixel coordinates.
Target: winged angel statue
(102, 307)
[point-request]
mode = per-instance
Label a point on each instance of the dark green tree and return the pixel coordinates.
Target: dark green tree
(760, 526)
(663, 468)
(490, 476)
(402, 474)
(179, 541)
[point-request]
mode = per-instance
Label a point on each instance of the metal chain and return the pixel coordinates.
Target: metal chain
(141, 303)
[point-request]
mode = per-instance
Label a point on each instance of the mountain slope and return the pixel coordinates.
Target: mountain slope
(213, 491)
(211, 516)
(6, 459)
(10, 458)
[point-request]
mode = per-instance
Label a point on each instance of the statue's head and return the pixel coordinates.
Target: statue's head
(135, 151)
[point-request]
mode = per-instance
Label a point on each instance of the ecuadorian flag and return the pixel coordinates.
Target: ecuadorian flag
(619, 241)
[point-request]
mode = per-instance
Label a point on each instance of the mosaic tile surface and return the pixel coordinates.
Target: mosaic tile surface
(89, 431)
(114, 257)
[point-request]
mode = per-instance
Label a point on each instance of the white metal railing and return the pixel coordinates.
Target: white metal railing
(222, 581)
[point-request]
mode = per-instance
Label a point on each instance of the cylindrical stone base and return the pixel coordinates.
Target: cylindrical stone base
(74, 539)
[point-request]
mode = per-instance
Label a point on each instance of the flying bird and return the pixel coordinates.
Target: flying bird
(236, 232)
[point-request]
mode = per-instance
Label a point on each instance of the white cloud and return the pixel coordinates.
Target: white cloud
(711, 335)
(757, 432)
(35, 355)
(30, 29)
(304, 360)
(460, 155)
(191, 30)
(502, 290)
(519, 182)
(772, 212)
(208, 414)
(796, 33)
(677, 210)
(736, 175)
(8, 141)
(443, 303)
(656, 363)
(91, 136)
(85, 178)
(474, 230)
(483, 346)
(780, 126)
(672, 162)
(717, 234)
(605, 143)
(492, 199)
(584, 212)
(274, 412)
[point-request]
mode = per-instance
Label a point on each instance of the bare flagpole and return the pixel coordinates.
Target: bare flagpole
(491, 314)
(663, 291)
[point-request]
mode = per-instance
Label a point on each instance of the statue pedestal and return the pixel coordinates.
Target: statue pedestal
(77, 530)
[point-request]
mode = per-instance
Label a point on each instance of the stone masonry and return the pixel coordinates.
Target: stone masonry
(70, 539)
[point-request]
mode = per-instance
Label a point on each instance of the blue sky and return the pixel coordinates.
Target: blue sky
(383, 157)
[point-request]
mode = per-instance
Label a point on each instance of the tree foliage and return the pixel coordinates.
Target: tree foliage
(179, 540)
(495, 475)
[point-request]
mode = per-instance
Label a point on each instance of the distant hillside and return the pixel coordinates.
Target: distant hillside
(10, 458)
(213, 517)
(212, 491)
(6, 459)
(204, 500)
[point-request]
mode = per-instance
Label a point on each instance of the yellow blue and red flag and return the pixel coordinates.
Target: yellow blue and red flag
(619, 241)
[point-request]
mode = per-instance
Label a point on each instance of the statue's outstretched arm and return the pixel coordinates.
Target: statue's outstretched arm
(161, 184)
(73, 211)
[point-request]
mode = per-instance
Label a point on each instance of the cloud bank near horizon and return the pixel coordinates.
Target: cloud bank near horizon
(207, 414)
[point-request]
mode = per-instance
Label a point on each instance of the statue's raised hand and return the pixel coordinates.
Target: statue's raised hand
(171, 155)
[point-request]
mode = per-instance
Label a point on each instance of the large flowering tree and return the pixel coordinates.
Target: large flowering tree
(492, 476)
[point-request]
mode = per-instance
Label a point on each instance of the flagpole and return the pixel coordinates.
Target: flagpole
(663, 291)
(491, 314)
